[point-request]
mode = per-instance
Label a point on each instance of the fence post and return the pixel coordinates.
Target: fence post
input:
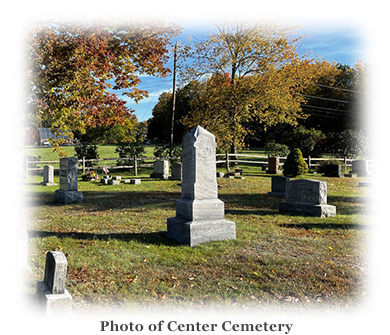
(27, 166)
(135, 166)
(345, 164)
(83, 164)
(309, 163)
(227, 162)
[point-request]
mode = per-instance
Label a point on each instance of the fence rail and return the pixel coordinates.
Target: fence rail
(257, 159)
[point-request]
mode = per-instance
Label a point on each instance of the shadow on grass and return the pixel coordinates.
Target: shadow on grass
(257, 201)
(156, 238)
(100, 201)
(251, 212)
(308, 226)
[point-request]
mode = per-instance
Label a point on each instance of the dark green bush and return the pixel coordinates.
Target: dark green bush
(276, 149)
(87, 150)
(127, 152)
(162, 151)
(295, 165)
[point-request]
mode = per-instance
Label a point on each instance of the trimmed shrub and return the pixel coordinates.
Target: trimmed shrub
(295, 165)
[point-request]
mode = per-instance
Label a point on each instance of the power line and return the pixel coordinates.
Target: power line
(328, 99)
(337, 88)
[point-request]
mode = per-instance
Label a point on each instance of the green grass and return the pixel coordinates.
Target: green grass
(118, 253)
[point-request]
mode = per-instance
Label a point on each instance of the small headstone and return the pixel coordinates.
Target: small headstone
(176, 171)
(135, 181)
(279, 186)
(116, 178)
(48, 176)
(51, 292)
(104, 181)
(68, 192)
(160, 169)
(366, 184)
(307, 197)
(232, 174)
(220, 174)
(199, 213)
(360, 167)
(113, 182)
(273, 165)
(332, 170)
(240, 171)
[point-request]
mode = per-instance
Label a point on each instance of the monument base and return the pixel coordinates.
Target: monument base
(54, 304)
(196, 232)
(273, 172)
(159, 175)
(304, 209)
(68, 197)
(48, 184)
(277, 194)
(200, 210)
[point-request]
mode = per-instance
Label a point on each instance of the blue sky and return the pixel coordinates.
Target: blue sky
(341, 45)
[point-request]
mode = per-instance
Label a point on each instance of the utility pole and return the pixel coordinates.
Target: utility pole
(173, 97)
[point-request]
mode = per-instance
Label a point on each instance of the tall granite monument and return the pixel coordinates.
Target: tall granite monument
(199, 213)
(68, 192)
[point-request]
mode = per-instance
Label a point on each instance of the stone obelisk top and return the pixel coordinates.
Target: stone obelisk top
(199, 165)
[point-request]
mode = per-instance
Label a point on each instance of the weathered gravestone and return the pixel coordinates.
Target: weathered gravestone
(199, 213)
(176, 171)
(332, 170)
(68, 192)
(360, 167)
(279, 186)
(160, 169)
(51, 292)
(48, 176)
(273, 165)
(307, 197)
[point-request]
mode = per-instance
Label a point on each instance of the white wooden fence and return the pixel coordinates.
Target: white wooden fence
(228, 160)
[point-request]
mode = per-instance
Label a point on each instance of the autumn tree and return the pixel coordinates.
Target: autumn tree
(77, 69)
(253, 73)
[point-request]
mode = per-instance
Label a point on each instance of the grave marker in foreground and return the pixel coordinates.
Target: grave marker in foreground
(199, 213)
(51, 292)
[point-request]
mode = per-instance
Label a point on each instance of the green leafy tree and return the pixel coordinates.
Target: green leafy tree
(305, 139)
(349, 143)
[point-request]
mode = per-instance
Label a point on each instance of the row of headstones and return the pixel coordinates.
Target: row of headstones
(303, 196)
(200, 215)
(359, 167)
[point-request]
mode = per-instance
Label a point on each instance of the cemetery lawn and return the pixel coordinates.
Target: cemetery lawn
(118, 254)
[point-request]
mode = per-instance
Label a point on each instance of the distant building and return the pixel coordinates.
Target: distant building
(45, 134)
